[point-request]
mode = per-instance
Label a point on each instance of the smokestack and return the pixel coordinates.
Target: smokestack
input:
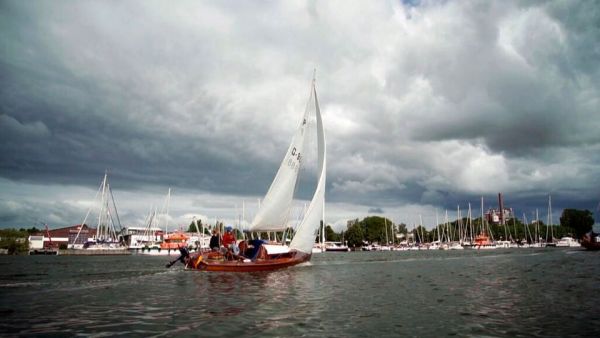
(501, 206)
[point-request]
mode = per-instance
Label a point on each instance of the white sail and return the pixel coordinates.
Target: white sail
(275, 208)
(308, 229)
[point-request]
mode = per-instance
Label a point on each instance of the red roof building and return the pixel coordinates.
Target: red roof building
(68, 235)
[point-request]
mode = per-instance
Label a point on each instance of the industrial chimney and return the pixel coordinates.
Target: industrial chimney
(501, 206)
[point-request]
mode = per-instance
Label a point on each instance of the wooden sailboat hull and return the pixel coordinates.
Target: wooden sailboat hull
(204, 262)
(590, 245)
(591, 241)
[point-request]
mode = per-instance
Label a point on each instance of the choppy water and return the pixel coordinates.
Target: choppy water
(497, 293)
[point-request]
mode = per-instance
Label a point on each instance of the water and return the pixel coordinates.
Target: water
(496, 293)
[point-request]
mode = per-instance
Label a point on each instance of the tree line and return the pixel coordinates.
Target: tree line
(376, 229)
(16, 241)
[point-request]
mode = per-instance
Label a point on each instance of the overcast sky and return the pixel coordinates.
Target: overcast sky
(426, 105)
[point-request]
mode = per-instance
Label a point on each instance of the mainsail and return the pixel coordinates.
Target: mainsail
(304, 239)
(275, 208)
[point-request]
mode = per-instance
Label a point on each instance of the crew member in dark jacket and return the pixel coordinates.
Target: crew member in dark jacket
(215, 241)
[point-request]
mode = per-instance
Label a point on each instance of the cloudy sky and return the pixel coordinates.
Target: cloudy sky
(426, 104)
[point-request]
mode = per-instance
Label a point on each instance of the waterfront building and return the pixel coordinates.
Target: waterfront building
(49, 239)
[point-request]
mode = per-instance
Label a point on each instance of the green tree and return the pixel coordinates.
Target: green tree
(355, 235)
(375, 229)
(192, 227)
(15, 241)
(401, 228)
(33, 230)
(330, 235)
(422, 235)
(581, 221)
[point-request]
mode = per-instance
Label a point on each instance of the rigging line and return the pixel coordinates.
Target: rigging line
(111, 230)
(86, 216)
(115, 206)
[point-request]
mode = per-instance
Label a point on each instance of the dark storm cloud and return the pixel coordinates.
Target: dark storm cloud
(518, 83)
(375, 211)
(67, 124)
(426, 104)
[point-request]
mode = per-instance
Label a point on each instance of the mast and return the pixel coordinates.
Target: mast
(421, 228)
(387, 240)
(505, 229)
(501, 216)
(100, 229)
(459, 224)
(471, 222)
(448, 229)
(483, 227)
(512, 213)
(323, 228)
(393, 231)
(417, 234)
(537, 227)
(437, 226)
(527, 231)
(445, 227)
(443, 232)
(197, 232)
(550, 218)
(168, 205)
(244, 219)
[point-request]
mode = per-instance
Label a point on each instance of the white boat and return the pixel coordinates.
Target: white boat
(137, 238)
(503, 244)
(567, 242)
(336, 247)
(435, 245)
(455, 246)
(318, 248)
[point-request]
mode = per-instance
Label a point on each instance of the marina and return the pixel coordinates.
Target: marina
(498, 293)
(300, 168)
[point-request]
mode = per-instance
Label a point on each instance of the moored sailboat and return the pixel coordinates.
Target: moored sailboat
(273, 214)
(108, 224)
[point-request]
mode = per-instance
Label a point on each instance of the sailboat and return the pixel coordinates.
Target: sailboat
(107, 234)
(274, 211)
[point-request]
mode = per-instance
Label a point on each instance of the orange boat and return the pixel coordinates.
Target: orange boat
(482, 241)
(174, 241)
(273, 213)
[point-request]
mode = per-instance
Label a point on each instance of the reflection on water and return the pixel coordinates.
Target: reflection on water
(468, 293)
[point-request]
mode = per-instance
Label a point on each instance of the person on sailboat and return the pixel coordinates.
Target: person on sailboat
(228, 237)
(215, 241)
(229, 242)
(184, 257)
